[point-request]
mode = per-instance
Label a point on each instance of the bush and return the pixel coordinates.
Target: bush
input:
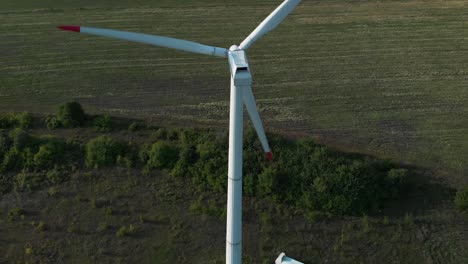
(461, 199)
(49, 154)
(349, 189)
(103, 151)
(103, 123)
(13, 159)
(24, 119)
(71, 115)
(28, 181)
(398, 176)
(267, 181)
(28, 159)
(181, 169)
(52, 122)
(162, 155)
(7, 120)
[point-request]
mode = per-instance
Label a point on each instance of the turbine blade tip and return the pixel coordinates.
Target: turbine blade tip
(269, 156)
(70, 28)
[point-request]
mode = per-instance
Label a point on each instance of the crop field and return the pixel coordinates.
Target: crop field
(387, 78)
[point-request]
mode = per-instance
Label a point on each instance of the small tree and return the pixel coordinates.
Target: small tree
(103, 151)
(24, 119)
(71, 114)
(52, 122)
(268, 181)
(49, 154)
(12, 160)
(162, 155)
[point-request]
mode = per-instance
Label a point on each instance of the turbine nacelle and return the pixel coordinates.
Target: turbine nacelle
(239, 66)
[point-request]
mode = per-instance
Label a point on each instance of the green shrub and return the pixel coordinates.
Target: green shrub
(249, 184)
(103, 151)
(162, 155)
(28, 159)
(126, 231)
(24, 119)
(103, 123)
(210, 170)
(267, 181)
(71, 115)
(461, 199)
(346, 186)
(52, 122)
(181, 169)
(13, 159)
(187, 157)
(7, 120)
(398, 176)
(49, 154)
(29, 181)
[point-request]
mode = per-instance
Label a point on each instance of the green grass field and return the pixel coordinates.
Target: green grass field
(387, 78)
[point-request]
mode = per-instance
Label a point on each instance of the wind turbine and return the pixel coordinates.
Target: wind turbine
(241, 93)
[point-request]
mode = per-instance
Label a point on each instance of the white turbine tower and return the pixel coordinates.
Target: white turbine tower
(241, 93)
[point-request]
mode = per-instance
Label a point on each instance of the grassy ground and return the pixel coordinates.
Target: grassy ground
(386, 78)
(81, 218)
(167, 220)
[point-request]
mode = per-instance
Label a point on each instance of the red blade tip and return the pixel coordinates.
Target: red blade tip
(70, 28)
(269, 156)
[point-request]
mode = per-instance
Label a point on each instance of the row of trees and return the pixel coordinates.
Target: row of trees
(303, 174)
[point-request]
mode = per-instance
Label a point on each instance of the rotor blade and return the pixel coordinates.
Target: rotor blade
(270, 23)
(166, 42)
(249, 102)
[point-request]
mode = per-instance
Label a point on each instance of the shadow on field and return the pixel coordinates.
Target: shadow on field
(424, 192)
